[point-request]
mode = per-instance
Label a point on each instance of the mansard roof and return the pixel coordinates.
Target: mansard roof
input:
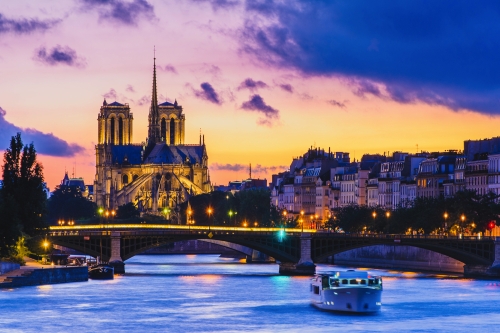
(178, 154)
(126, 154)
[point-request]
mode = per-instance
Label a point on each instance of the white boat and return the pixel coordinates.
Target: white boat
(349, 291)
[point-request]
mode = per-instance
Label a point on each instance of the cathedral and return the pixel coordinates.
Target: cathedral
(157, 175)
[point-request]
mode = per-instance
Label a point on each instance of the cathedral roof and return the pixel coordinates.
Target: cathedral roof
(126, 154)
(115, 103)
(166, 104)
(178, 154)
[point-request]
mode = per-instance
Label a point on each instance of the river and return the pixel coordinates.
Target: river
(205, 293)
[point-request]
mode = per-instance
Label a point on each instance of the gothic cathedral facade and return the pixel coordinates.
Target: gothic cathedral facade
(157, 175)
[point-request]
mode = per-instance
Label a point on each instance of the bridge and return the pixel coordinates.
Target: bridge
(296, 249)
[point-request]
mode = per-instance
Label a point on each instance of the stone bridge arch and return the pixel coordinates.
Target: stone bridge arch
(470, 252)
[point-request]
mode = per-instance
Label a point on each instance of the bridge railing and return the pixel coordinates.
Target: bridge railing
(156, 232)
(404, 236)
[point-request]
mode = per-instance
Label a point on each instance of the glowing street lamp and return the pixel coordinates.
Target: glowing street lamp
(302, 219)
(388, 214)
(374, 214)
(209, 212)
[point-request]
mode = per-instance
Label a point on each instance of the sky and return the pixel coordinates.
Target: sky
(262, 80)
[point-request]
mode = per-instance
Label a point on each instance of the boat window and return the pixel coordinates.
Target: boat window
(373, 282)
(353, 281)
(362, 282)
(316, 290)
(334, 282)
(344, 281)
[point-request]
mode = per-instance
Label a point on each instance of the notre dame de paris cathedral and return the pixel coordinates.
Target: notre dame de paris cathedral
(157, 175)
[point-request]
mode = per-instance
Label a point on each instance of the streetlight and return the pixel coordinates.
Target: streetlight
(189, 212)
(230, 213)
(374, 214)
(166, 211)
(462, 217)
(256, 224)
(209, 211)
(445, 215)
(316, 218)
(388, 214)
(302, 219)
(45, 245)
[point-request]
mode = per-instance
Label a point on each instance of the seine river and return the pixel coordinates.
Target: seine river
(205, 293)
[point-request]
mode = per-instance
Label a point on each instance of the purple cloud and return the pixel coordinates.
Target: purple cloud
(257, 104)
(45, 143)
(443, 53)
(286, 87)
(336, 103)
(25, 26)
(252, 85)
(219, 4)
(168, 68)
(228, 167)
(120, 11)
(244, 167)
(208, 93)
(144, 100)
(111, 94)
(59, 55)
(130, 88)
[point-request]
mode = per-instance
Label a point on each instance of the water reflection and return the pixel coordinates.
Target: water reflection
(203, 293)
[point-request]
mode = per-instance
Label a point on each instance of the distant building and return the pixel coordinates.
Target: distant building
(86, 190)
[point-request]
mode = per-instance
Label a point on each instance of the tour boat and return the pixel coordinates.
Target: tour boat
(349, 291)
(101, 272)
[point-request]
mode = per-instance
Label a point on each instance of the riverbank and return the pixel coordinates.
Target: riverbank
(34, 273)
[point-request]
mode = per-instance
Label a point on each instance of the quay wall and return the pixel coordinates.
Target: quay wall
(48, 276)
(398, 257)
(6, 267)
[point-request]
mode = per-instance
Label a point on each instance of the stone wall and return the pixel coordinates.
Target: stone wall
(49, 276)
(6, 267)
(398, 257)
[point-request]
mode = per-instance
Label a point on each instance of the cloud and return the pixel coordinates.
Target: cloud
(251, 85)
(45, 143)
(59, 55)
(229, 167)
(237, 167)
(208, 93)
(25, 26)
(286, 87)
(130, 88)
(257, 104)
(111, 95)
(168, 68)
(219, 4)
(213, 70)
(121, 11)
(144, 100)
(435, 52)
(337, 103)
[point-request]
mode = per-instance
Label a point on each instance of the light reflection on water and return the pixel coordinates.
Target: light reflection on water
(204, 293)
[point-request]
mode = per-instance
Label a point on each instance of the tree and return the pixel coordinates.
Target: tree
(67, 203)
(127, 211)
(23, 197)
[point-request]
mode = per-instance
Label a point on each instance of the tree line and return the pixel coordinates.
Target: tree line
(465, 213)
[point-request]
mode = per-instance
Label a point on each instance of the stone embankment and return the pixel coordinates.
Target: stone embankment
(34, 274)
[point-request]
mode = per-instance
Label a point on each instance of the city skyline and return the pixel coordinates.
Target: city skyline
(262, 80)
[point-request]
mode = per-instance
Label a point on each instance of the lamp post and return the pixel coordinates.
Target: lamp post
(445, 215)
(316, 219)
(209, 211)
(462, 217)
(388, 214)
(45, 245)
(230, 213)
(189, 212)
(302, 219)
(284, 218)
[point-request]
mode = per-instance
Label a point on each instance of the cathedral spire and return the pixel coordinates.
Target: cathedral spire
(154, 116)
